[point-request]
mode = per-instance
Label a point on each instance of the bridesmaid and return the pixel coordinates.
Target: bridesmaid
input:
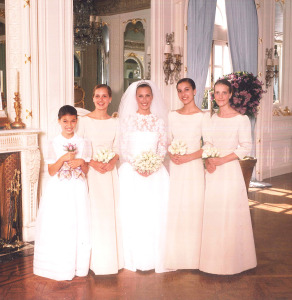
(227, 237)
(102, 131)
(186, 182)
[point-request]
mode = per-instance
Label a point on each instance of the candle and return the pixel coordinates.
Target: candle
(17, 82)
(167, 49)
(1, 81)
(97, 19)
(148, 50)
(176, 50)
(276, 61)
(269, 62)
(91, 19)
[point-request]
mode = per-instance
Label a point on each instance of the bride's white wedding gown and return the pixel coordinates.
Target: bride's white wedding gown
(143, 200)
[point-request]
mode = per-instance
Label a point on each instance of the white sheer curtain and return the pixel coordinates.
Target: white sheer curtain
(201, 17)
(242, 24)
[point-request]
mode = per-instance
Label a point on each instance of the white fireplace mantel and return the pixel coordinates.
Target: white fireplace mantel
(25, 141)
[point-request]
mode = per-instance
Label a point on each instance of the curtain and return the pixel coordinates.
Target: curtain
(201, 18)
(242, 24)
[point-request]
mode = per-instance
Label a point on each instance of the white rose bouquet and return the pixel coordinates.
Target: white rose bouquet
(147, 162)
(210, 152)
(104, 155)
(177, 147)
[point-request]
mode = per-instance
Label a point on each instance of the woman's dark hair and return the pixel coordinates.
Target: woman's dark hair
(141, 85)
(224, 82)
(67, 110)
(189, 80)
(109, 90)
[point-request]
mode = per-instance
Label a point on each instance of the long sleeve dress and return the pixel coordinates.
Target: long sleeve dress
(62, 239)
(186, 196)
(227, 236)
(106, 253)
(143, 200)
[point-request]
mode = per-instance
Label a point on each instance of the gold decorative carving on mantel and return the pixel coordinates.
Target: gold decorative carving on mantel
(258, 5)
(260, 40)
(260, 74)
(278, 111)
(26, 3)
(2, 12)
(27, 58)
(283, 1)
(29, 114)
(134, 21)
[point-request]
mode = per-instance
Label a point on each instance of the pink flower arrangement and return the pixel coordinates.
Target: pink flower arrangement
(247, 92)
(70, 147)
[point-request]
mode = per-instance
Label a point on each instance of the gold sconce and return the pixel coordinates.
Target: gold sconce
(172, 63)
(272, 65)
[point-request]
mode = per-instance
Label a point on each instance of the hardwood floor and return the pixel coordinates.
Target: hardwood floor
(271, 211)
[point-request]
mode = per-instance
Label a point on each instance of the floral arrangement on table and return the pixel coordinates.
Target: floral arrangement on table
(104, 155)
(247, 93)
(147, 162)
(66, 172)
(177, 147)
(210, 152)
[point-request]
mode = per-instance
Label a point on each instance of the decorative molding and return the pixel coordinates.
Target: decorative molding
(29, 114)
(26, 3)
(113, 7)
(27, 59)
(2, 12)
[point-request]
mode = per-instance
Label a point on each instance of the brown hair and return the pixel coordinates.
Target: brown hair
(99, 86)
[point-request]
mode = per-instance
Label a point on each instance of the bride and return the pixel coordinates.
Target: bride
(143, 195)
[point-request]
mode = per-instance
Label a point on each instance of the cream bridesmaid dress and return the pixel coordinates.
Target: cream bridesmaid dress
(185, 214)
(106, 253)
(227, 236)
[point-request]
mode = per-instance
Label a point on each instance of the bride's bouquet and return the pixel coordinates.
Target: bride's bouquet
(147, 162)
(177, 147)
(210, 152)
(104, 155)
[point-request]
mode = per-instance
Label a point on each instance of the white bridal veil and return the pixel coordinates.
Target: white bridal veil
(129, 106)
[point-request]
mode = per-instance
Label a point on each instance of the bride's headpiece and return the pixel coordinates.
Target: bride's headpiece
(129, 106)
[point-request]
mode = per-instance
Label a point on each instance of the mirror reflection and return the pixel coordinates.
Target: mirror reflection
(278, 46)
(134, 52)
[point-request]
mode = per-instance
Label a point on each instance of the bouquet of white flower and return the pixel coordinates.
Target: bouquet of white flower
(148, 162)
(210, 152)
(178, 147)
(104, 155)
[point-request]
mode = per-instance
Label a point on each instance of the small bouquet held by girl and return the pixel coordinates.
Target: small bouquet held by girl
(147, 162)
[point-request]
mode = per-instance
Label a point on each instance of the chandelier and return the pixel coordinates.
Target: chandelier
(87, 25)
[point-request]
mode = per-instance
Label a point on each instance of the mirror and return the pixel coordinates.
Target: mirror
(2, 56)
(278, 48)
(134, 52)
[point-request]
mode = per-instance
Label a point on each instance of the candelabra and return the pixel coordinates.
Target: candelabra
(172, 63)
(17, 107)
(87, 25)
(272, 65)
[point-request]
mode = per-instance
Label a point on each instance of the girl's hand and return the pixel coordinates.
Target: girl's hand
(180, 159)
(68, 156)
(145, 174)
(98, 166)
(209, 166)
(110, 165)
(217, 161)
(75, 163)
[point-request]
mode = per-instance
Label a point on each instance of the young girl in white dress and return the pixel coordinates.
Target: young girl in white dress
(227, 236)
(103, 131)
(187, 182)
(62, 241)
(143, 196)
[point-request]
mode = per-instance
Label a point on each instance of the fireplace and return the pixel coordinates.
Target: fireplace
(20, 148)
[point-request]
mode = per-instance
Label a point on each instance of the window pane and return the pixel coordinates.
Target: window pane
(227, 62)
(208, 81)
(217, 73)
(218, 55)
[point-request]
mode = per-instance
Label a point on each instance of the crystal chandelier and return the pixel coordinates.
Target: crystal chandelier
(87, 25)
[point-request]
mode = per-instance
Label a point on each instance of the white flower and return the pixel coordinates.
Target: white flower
(147, 162)
(210, 152)
(178, 147)
(103, 155)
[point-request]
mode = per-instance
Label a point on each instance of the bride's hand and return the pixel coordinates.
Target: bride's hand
(98, 166)
(145, 174)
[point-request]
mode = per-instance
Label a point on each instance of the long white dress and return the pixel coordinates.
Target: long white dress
(143, 200)
(227, 236)
(186, 196)
(62, 239)
(106, 252)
